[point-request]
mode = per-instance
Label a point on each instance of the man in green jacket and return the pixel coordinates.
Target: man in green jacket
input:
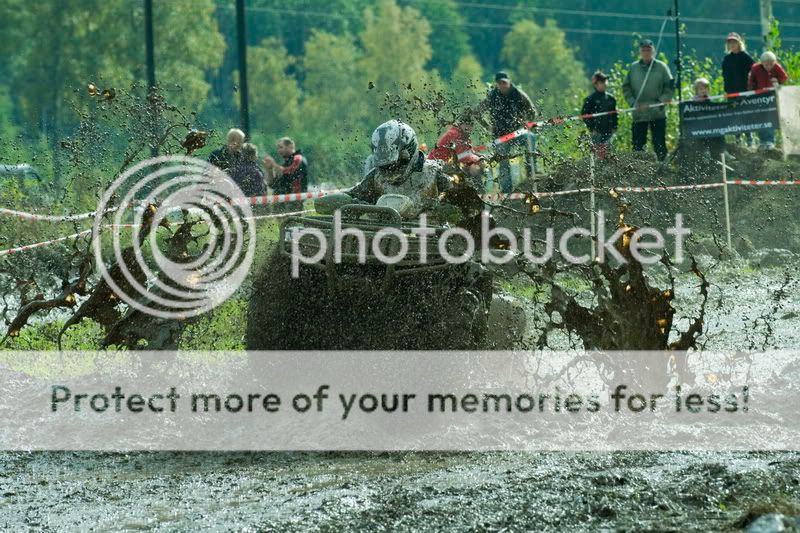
(648, 82)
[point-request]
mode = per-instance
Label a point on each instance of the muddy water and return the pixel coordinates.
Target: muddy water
(426, 491)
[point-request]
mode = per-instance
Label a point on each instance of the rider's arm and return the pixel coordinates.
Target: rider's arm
(443, 182)
(365, 190)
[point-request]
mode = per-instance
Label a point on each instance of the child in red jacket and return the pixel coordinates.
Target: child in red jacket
(454, 142)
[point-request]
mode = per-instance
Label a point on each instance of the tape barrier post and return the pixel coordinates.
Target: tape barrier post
(727, 202)
(592, 221)
(530, 157)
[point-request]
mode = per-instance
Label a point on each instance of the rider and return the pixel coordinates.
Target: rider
(400, 167)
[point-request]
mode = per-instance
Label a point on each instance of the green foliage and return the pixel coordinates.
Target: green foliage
(188, 46)
(87, 335)
(467, 81)
(333, 84)
(221, 329)
(449, 42)
(64, 45)
(293, 22)
(788, 58)
(396, 46)
(333, 102)
(545, 66)
(274, 94)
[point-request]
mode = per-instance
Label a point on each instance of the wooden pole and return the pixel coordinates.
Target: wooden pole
(150, 67)
(241, 39)
(727, 202)
(765, 7)
(592, 219)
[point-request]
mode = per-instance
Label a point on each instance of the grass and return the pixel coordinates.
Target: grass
(221, 329)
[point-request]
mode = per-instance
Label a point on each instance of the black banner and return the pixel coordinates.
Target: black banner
(737, 115)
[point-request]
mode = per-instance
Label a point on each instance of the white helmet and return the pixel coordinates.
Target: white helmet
(393, 141)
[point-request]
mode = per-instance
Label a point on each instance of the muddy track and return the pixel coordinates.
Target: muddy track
(410, 491)
(422, 491)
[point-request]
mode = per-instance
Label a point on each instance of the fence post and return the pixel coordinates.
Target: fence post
(592, 220)
(727, 202)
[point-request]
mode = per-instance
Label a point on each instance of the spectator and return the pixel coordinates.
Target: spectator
(713, 146)
(510, 109)
(768, 73)
(226, 157)
(292, 176)
(602, 128)
(649, 82)
(736, 69)
(246, 173)
(454, 142)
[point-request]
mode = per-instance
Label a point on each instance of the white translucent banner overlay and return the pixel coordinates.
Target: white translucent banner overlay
(124, 401)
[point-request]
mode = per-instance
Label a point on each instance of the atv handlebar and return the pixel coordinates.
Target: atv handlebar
(358, 210)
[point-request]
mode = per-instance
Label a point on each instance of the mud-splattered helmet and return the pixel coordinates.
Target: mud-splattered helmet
(393, 141)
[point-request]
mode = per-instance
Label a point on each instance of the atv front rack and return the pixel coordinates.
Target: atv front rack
(298, 236)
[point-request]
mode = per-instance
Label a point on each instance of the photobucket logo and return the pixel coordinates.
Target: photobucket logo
(163, 285)
(345, 242)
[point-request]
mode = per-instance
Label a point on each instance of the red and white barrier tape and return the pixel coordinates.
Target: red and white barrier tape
(51, 218)
(656, 188)
(279, 215)
(27, 247)
(43, 243)
(669, 187)
(764, 182)
(490, 197)
(293, 197)
(560, 120)
(523, 195)
(252, 200)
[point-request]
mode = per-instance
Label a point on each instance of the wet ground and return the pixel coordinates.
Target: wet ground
(429, 491)
(373, 492)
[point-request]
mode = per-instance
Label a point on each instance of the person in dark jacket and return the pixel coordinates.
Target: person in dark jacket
(601, 128)
(247, 174)
(735, 71)
(709, 149)
(510, 109)
(292, 176)
(228, 156)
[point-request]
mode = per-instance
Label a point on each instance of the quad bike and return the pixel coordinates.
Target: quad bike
(351, 304)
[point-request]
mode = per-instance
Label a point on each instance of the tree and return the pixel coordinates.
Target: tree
(468, 80)
(333, 85)
(486, 42)
(274, 94)
(294, 23)
(396, 47)
(449, 42)
(67, 43)
(334, 109)
(545, 66)
(62, 45)
(188, 45)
